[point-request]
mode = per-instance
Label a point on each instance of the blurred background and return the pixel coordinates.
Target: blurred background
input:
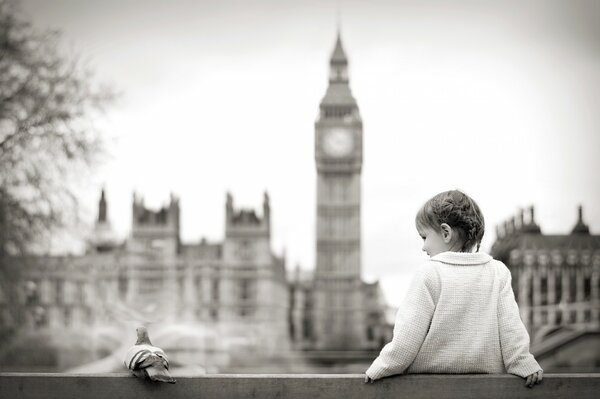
(168, 164)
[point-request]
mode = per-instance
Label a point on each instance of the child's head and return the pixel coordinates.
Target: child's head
(455, 219)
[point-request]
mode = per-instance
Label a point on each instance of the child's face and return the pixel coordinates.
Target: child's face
(433, 242)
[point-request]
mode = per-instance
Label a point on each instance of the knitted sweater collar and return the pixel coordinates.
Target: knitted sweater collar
(462, 258)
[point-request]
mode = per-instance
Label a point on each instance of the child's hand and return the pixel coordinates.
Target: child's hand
(368, 380)
(534, 378)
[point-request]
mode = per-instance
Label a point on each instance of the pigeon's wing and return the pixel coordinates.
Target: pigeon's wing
(153, 360)
(157, 369)
(135, 356)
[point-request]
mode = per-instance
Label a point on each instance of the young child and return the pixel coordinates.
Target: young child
(459, 315)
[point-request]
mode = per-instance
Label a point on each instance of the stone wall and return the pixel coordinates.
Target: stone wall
(15, 385)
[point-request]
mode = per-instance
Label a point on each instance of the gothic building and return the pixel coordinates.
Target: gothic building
(556, 281)
(237, 286)
(335, 309)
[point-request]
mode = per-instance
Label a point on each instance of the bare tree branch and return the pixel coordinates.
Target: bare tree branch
(47, 104)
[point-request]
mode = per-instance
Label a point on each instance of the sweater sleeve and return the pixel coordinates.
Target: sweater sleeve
(410, 328)
(514, 340)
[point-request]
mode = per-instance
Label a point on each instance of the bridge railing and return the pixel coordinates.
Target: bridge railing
(296, 386)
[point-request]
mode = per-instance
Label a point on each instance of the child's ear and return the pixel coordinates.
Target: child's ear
(446, 232)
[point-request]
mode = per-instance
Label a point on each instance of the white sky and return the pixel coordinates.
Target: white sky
(499, 99)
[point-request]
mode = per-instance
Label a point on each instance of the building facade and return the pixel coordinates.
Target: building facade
(556, 281)
(236, 288)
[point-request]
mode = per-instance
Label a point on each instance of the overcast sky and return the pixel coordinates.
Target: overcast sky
(499, 99)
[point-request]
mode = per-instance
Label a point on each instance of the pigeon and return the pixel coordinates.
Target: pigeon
(145, 360)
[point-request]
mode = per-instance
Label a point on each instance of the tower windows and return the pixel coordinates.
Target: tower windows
(40, 317)
(370, 333)
(80, 292)
(306, 328)
(215, 290)
(587, 288)
(32, 292)
(572, 285)
(558, 288)
(180, 287)
(338, 112)
(68, 317)
(198, 286)
(59, 292)
(338, 73)
(122, 284)
(544, 290)
(245, 289)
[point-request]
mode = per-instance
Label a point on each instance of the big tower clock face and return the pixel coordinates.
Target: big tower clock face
(338, 142)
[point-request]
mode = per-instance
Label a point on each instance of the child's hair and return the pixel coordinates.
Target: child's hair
(459, 211)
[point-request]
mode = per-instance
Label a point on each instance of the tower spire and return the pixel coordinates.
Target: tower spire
(338, 57)
(338, 92)
(338, 22)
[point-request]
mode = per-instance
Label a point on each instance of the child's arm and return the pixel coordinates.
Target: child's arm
(410, 329)
(514, 340)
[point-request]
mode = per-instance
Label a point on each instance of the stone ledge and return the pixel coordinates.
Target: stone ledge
(347, 386)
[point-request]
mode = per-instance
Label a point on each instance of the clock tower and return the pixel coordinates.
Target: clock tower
(339, 317)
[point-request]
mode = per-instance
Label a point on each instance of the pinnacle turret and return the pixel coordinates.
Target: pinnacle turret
(103, 237)
(580, 226)
(102, 218)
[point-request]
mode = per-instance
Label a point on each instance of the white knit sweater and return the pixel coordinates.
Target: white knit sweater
(459, 316)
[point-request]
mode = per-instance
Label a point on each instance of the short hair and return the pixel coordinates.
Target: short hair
(459, 211)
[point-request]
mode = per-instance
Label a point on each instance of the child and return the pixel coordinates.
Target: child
(460, 314)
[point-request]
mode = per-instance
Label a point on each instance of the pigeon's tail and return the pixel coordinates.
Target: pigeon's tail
(157, 369)
(160, 374)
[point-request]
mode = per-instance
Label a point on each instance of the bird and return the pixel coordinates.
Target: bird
(145, 360)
